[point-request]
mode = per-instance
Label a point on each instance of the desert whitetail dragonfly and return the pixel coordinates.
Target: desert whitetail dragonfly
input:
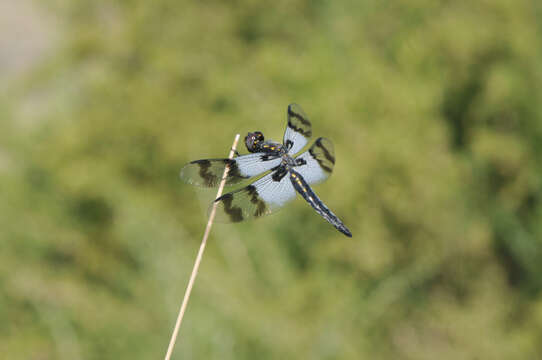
(287, 175)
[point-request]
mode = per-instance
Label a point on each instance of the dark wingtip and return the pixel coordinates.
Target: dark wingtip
(290, 111)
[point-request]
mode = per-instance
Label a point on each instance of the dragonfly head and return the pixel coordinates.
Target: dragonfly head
(253, 141)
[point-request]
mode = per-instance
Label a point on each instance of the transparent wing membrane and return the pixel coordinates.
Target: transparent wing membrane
(319, 159)
(209, 172)
(298, 130)
(260, 198)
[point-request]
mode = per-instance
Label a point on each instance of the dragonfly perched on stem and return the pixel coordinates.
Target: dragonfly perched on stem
(287, 175)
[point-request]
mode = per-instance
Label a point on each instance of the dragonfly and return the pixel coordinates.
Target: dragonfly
(286, 173)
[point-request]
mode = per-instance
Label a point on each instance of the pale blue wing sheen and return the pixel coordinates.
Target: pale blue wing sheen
(298, 129)
(320, 159)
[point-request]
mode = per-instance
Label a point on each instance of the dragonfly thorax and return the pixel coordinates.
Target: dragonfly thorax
(288, 161)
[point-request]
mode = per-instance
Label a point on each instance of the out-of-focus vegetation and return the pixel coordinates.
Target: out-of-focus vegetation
(436, 114)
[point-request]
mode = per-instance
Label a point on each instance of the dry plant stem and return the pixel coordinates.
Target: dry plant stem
(198, 258)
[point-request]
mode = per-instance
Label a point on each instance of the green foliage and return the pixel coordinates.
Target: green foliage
(435, 111)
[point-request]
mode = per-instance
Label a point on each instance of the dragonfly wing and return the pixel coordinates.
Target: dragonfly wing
(262, 197)
(298, 130)
(318, 161)
(209, 172)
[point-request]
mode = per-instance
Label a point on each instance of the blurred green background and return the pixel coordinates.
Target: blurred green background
(435, 109)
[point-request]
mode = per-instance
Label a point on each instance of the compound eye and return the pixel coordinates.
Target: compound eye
(251, 141)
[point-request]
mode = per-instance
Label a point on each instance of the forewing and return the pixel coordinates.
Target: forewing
(209, 172)
(298, 130)
(255, 164)
(260, 198)
(319, 159)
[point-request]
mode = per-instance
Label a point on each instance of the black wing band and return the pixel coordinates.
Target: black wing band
(316, 164)
(262, 197)
(209, 172)
(298, 129)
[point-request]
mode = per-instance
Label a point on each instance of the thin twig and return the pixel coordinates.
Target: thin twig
(198, 258)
